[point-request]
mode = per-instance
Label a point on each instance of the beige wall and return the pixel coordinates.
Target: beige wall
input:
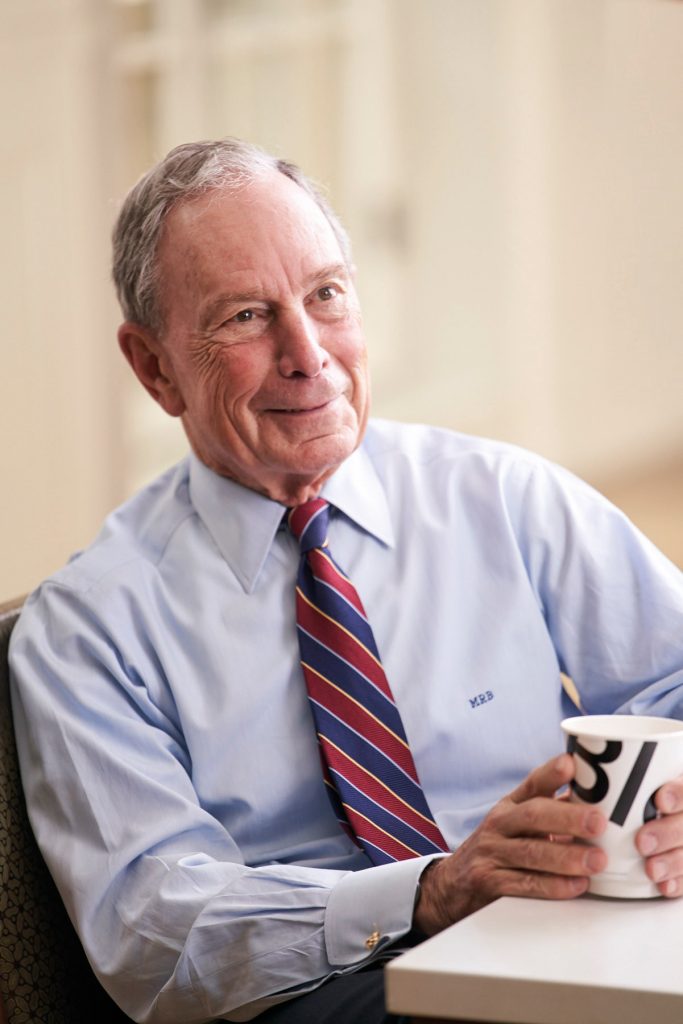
(57, 457)
(509, 169)
(546, 233)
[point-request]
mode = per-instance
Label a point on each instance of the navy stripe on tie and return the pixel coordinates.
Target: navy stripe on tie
(327, 663)
(391, 823)
(369, 755)
(339, 609)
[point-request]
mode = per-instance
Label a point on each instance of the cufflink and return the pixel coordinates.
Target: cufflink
(372, 939)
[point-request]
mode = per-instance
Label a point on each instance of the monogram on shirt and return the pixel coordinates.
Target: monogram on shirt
(481, 698)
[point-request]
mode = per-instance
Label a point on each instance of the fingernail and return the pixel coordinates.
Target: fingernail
(594, 860)
(666, 801)
(671, 888)
(595, 823)
(647, 844)
(658, 870)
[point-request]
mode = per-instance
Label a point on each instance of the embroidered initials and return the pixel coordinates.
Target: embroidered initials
(481, 698)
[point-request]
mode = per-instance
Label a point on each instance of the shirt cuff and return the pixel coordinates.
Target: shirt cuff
(368, 910)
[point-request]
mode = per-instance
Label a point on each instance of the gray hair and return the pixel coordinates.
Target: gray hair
(185, 173)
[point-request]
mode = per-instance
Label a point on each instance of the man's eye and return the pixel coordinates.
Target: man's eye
(327, 292)
(244, 316)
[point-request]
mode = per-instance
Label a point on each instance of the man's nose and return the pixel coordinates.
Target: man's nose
(299, 347)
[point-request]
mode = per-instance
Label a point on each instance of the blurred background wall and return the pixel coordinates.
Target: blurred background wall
(510, 172)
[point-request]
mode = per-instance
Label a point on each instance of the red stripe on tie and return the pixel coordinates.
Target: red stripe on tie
(334, 796)
(324, 569)
(367, 830)
(360, 720)
(333, 635)
(376, 790)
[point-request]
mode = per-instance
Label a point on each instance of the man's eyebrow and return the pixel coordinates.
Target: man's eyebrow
(333, 270)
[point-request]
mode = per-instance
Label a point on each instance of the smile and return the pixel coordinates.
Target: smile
(304, 410)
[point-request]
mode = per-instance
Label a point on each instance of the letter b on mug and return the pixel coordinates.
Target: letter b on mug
(621, 761)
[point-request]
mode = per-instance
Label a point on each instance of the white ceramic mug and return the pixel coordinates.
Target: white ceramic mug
(621, 761)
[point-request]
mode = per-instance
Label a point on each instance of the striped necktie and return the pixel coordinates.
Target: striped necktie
(367, 764)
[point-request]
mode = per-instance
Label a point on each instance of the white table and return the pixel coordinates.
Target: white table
(585, 961)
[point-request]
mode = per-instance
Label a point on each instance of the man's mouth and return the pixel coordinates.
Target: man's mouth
(304, 409)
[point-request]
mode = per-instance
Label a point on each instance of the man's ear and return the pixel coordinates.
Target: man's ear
(151, 366)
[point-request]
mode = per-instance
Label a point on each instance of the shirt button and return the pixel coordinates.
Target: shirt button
(372, 940)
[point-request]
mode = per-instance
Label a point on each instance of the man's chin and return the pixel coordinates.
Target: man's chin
(321, 454)
(305, 467)
(297, 437)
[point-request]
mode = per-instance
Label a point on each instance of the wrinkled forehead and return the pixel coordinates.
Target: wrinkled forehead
(267, 225)
(271, 207)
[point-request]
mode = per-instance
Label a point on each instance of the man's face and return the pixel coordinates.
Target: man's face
(262, 344)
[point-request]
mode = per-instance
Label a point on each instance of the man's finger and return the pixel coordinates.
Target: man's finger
(546, 816)
(546, 780)
(669, 798)
(543, 856)
(541, 886)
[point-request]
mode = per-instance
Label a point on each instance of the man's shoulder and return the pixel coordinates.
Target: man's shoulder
(412, 458)
(423, 444)
(109, 588)
(134, 535)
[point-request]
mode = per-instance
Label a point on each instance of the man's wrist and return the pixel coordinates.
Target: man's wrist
(428, 915)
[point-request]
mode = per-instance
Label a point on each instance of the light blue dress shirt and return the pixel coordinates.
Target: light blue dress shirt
(168, 751)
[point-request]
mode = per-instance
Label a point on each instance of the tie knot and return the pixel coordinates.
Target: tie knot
(308, 523)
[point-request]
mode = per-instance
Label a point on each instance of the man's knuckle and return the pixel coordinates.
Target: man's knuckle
(496, 815)
(532, 813)
(527, 854)
(529, 884)
(479, 874)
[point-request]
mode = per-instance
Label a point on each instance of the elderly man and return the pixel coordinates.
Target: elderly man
(249, 799)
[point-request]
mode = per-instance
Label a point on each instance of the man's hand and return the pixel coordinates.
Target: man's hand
(524, 847)
(661, 841)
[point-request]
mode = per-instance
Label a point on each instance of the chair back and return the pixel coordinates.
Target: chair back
(45, 977)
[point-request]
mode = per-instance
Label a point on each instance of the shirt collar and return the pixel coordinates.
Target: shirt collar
(243, 523)
(356, 490)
